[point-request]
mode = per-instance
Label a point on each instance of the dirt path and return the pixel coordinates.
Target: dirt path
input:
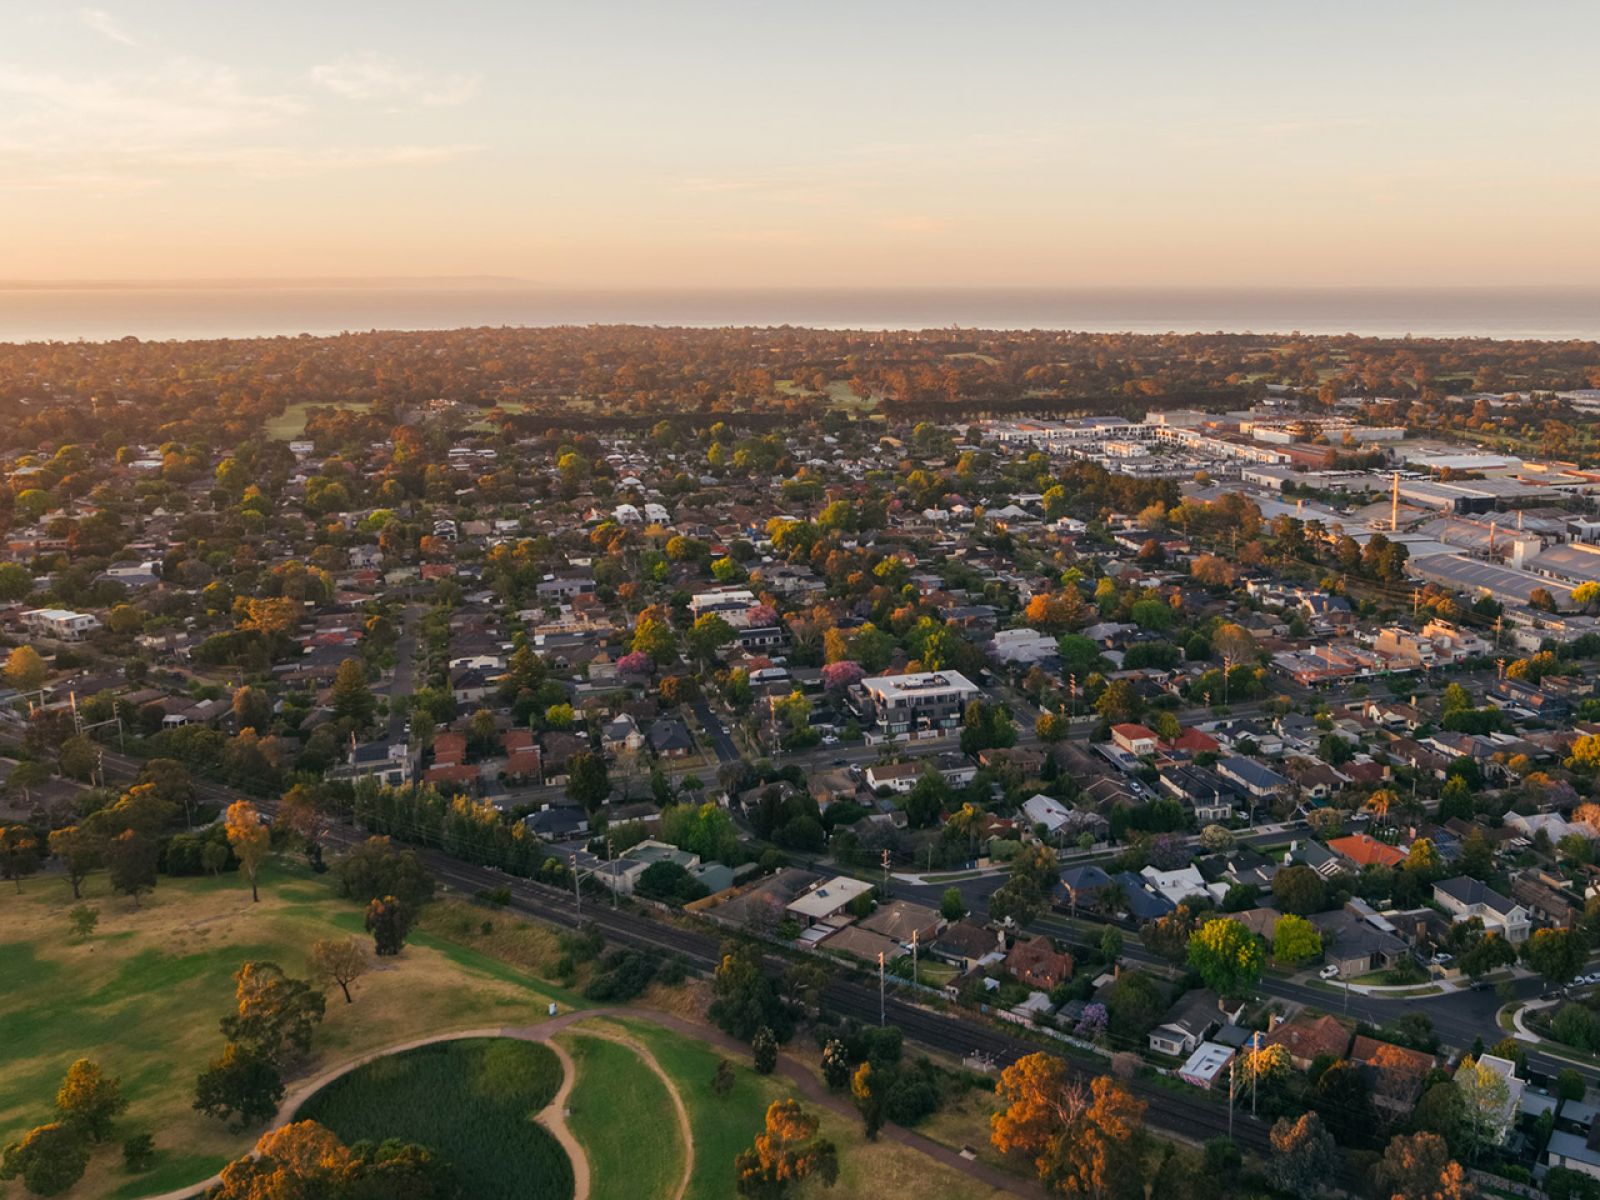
(554, 1119)
(685, 1130)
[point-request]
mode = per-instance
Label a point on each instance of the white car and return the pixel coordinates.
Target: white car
(1331, 971)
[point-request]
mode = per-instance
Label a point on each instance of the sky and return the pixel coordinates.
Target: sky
(823, 144)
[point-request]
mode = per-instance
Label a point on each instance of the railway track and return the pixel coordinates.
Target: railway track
(1171, 1112)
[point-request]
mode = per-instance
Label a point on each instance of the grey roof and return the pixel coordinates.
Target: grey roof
(1466, 890)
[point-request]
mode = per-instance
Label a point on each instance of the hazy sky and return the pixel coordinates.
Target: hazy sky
(814, 143)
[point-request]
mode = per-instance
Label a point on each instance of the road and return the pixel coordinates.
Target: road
(727, 752)
(1193, 1117)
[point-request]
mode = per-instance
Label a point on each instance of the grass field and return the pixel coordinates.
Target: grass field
(724, 1126)
(291, 423)
(471, 1101)
(624, 1119)
(144, 994)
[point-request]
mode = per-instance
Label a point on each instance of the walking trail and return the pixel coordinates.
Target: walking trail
(553, 1116)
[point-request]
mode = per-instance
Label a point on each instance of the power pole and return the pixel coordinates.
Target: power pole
(611, 857)
(1255, 1048)
(881, 1017)
(886, 871)
(577, 892)
(1232, 1063)
(914, 958)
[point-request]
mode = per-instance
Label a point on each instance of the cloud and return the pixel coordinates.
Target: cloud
(106, 25)
(371, 77)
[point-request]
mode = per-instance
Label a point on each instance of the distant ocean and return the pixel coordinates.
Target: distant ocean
(103, 313)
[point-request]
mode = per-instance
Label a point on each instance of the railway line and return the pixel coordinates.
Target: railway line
(1170, 1112)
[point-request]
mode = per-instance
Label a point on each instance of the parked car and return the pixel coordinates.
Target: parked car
(1331, 971)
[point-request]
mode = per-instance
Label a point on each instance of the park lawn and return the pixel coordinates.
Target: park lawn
(143, 996)
(724, 1126)
(622, 1115)
(471, 1101)
(291, 423)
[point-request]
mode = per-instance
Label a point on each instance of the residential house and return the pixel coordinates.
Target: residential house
(1260, 781)
(1135, 739)
(1394, 1073)
(1082, 887)
(1205, 793)
(966, 944)
(1362, 850)
(903, 922)
(1189, 1022)
(1308, 1038)
(1464, 898)
(825, 903)
(1037, 963)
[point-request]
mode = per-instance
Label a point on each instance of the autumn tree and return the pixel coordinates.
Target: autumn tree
(276, 1013)
(79, 853)
(784, 1153)
(1227, 956)
(25, 669)
(1083, 1140)
(48, 1159)
(1419, 1167)
(251, 840)
(89, 1100)
(304, 1160)
(388, 921)
(1485, 1102)
(1303, 1155)
(338, 961)
(868, 1099)
(1295, 940)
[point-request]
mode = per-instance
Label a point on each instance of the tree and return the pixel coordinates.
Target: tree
(351, 698)
(89, 1101)
(339, 961)
(784, 1153)
(138, 1152)
(25, 669)
(707, 635)
(16, 583)
(19, 853)
(868, 1100)
(588, 781)
(743, 998)
(276, 1013)
(1111, 944)
(951, 905)
(1344, 1101)
(304, 1161)
(835, 1064)
(654, 637)
(1419, 1167)
(1485, 1103)
(131, 864)
(82, 920)
(251, 840)
(388, 921)
(722, 1079)
(1557, 954)
(239, 1086)
(1304, 1155)
(1227, 956)
(379, 868)
(48, 1159)
(1570, 1085)
(1295, 940)
(79, 852)
(764, 1051)
(1084, 1141)
(252, 709)
(1299, 890)
(1488, 953)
